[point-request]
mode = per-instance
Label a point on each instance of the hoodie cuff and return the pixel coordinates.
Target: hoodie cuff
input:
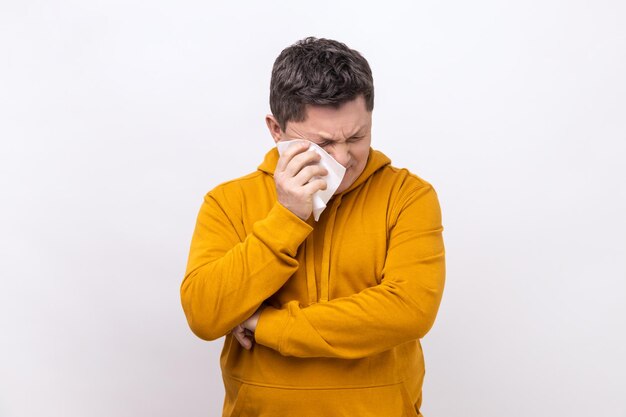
(271, 327)
(283, 229)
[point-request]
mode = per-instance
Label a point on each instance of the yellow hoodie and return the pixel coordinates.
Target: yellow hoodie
(348, 296)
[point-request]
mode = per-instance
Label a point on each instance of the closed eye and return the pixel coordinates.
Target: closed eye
(351, 140)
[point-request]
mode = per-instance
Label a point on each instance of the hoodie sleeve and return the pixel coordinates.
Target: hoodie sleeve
(401, 308)
(228, 278)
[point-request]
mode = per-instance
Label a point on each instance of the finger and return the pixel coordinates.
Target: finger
(243, 340)
(292, 150)
(300, 161)
(246, 343)
(309, 172)
(314, 186)
(238, 332)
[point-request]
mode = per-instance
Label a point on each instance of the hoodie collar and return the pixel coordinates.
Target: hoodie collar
(375, 161)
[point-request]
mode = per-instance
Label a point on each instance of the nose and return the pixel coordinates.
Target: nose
(341, 153)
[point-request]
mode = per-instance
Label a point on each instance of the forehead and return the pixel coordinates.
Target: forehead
(345, 120)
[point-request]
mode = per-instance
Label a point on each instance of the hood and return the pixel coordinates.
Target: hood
(375, 161)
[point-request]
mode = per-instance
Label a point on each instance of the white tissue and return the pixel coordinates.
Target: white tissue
(336, 171)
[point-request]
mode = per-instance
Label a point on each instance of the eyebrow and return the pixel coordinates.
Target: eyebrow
(326, 138)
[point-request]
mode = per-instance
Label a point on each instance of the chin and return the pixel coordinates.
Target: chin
(343, 187)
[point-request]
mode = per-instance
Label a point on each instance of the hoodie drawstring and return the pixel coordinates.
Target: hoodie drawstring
(310, 268)
(325, 265)
(328, 237)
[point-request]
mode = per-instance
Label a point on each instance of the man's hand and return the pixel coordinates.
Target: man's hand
(243, 336)
(244, 332)
(294, 170)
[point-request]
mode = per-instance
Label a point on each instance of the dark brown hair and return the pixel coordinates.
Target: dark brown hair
(320, 72)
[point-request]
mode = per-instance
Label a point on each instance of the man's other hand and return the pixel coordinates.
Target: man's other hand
(243, 336)
(244, 332)
(251, 322)
(295, 168)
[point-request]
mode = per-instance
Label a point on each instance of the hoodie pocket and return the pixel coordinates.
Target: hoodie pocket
(235, 397)
(255, 400)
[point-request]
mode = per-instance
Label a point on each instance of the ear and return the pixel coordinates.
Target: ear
(274, 127)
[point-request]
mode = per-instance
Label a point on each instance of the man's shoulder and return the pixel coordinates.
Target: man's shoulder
(405, 188)
(402, 179)
(252, 182)
(249, 179)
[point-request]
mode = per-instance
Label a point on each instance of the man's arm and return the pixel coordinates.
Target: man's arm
(227, 279)
(401, 308)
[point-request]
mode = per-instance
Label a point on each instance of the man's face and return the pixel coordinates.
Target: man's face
(345, 133)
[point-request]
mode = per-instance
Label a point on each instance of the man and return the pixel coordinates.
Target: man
(321, 318)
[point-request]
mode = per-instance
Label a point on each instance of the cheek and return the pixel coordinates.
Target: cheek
(361, 155)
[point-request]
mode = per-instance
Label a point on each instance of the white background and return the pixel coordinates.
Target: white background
(116, 117)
